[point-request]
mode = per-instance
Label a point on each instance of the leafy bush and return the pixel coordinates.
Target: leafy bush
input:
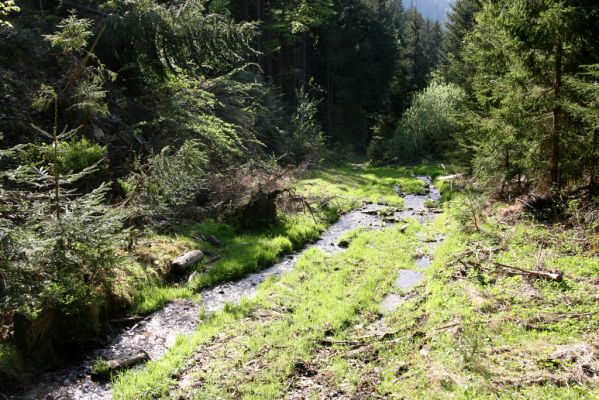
(379, 152)
(427, 127)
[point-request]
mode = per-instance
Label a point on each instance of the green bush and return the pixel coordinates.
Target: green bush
(169, 180)
(427, 128)
(379, 152)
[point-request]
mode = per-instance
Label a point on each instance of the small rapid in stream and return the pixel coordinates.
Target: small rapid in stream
(158, 331)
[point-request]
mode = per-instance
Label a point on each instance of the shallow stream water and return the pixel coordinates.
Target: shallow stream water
(157, 332)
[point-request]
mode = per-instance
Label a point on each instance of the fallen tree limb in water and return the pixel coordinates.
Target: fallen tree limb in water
(119, 363)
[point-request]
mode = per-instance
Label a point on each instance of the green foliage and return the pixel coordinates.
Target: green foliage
(101, 369)
(72, 35)
(428, 127)
(469, 209)
(179, 36)
(168, 180)
(60, 249)
(304, 141)
(521, 82)
(584, 108)
(11, 364)
(7, 7)
(74, 155)
(212, 113)
(461, 21)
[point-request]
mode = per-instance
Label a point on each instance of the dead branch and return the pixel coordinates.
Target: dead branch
(551, 276)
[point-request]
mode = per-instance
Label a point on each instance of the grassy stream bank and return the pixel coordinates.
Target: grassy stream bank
(142, 287)
(467, 331)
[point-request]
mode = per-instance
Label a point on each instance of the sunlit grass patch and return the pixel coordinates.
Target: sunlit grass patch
(248, 252)
(349, 187)
(153, 297)
(499, 332)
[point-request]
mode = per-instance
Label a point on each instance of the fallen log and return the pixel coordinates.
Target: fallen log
(370, 212)
(119, 363)
(181, 264)
(187, 259)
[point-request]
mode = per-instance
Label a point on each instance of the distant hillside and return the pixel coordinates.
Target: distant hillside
(434, 9)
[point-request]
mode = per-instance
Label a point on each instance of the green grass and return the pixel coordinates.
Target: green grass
(247, 252)
(266, 347)
(155, 296)
(349, 187)
(101, 370)
(476, 360)
(244, 252)
(355, 282)
(241, 252)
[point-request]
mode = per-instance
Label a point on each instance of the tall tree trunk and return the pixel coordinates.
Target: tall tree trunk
(304, 60)
(259, 38)
(329, 101)
(594, 184)
(555, 137)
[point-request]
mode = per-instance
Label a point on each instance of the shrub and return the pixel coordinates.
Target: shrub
(427, 127)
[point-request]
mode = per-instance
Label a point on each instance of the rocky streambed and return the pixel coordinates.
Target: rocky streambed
(154, 334)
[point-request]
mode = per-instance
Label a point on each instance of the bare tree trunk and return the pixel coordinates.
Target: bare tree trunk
(259, 38)
(555, 138)
(329, 101)
(593, 184)
(304, 60)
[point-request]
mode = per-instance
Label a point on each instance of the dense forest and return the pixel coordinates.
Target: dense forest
(134, 131)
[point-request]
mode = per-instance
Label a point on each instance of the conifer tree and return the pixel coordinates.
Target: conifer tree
(523, 53)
